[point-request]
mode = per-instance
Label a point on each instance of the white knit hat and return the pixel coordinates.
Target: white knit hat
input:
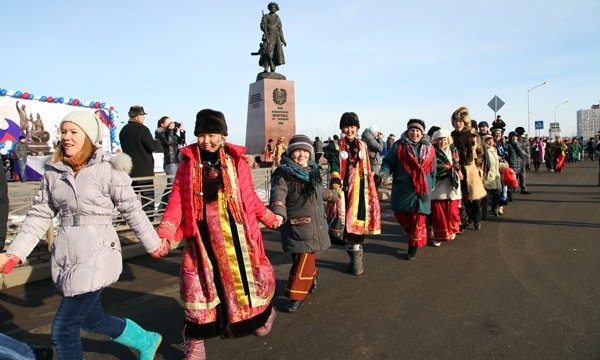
(88, 122)
(441, 133)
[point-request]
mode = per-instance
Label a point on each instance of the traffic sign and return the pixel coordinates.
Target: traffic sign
(496, 103)
(539, 124)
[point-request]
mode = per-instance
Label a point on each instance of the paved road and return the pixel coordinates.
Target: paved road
(525, 286)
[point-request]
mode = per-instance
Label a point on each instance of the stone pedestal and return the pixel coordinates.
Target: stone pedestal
(271, 113)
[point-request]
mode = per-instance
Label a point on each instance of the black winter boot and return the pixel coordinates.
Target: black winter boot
(412, 253)
(356, 264)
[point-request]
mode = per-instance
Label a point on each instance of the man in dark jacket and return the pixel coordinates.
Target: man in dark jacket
(318, 146)
(516, 158)
(391, 139)
(20, 152)
(137, 142)
(166, 133)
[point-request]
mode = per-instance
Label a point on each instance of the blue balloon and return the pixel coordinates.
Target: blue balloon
(30, 97)
(17, 94)
(102, 105)
(61, 99)
(70, 102)
(43, 98)
(3, 92)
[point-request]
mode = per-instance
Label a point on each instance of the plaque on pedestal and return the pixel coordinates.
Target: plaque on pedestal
(271, 113)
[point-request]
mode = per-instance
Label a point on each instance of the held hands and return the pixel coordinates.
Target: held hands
(379, 180)
(278, 221)
(8, 262)
(162, 250)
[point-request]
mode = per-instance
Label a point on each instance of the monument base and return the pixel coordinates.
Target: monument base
(269, 75)
(271, 113)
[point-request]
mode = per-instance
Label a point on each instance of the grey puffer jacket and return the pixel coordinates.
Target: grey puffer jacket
(86, 255)
(374, 146)
(305, 228)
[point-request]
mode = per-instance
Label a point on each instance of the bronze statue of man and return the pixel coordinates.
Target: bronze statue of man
(271, 48)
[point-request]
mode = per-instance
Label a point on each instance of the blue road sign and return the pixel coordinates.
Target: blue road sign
(539, 124)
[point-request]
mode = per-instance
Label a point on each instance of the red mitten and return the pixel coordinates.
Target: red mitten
(10, 264)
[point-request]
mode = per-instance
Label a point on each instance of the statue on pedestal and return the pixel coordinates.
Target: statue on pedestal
(272, 43)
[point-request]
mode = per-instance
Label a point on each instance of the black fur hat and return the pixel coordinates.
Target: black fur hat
(210, 121)
(520, 130)
(349, 119)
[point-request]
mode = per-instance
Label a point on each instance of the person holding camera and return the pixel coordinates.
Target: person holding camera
(166, 133)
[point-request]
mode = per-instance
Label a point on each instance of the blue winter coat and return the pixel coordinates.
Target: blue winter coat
(404, 198)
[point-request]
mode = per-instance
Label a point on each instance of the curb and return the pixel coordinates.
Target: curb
(29, 273)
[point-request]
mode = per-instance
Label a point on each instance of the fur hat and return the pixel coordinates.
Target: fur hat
(520, 130)
(416, 123)
(88, 122)
(300, 142)
(432, 130)
(483, 123)
(462, 113)
(497, 129)
(485, 137)
(512, 134)
(349, 119)
(441, 133)
(210, 121)
(136, 110)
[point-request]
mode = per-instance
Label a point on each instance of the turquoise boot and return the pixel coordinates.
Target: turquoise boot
(135, 337)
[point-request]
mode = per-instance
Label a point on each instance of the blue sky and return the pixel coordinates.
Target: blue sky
(387, 61)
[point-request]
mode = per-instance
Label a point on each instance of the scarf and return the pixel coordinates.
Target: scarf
(417, 166)
(309, 176)
(447, 167)
(198, 194)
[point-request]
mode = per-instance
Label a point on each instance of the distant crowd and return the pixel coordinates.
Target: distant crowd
(443, 180)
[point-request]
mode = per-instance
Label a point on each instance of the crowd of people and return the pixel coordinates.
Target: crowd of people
(443, 180)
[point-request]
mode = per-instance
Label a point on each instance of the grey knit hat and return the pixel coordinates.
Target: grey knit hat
(416, 123)
(88, 122)
(300, 142)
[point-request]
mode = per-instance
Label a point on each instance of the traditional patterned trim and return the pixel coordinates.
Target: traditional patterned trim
(301, 220)
(278, 203)
(199, 305)
(169, 228)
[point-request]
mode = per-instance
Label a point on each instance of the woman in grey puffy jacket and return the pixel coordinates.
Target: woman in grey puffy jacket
(82, 185)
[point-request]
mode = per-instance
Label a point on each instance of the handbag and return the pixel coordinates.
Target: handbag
(510, 178)
(336, 228)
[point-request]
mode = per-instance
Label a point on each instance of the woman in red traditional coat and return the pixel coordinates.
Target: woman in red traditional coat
(227, 282)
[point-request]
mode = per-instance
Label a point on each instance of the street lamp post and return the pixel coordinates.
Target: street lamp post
(562, 103)
(528, 112)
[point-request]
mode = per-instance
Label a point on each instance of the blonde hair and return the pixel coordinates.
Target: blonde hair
(78, 160)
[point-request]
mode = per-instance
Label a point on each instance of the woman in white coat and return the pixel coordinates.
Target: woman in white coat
(83, 184)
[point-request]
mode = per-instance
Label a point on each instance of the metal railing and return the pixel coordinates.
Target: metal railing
(21, 198)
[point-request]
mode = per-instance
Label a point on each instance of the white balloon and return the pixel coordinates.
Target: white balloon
(3, 151)
(8, 144)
